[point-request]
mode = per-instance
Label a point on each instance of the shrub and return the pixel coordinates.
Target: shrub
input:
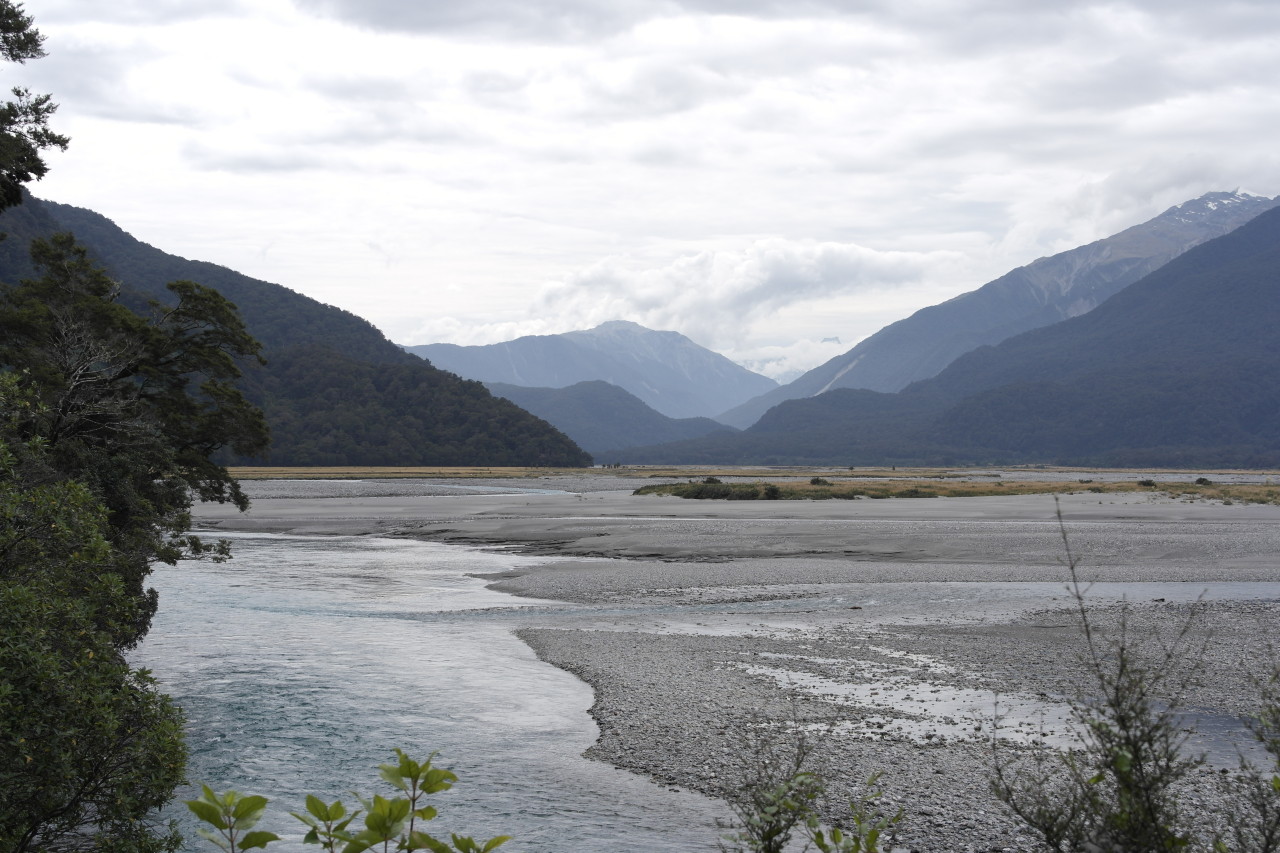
(387, 822)
(1116, 791)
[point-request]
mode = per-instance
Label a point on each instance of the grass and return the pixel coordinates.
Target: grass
(793, 483)
(915, 487)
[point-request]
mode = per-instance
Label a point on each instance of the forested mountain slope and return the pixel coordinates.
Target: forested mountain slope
(1042, 293)
(335, 390)
(1181, 368)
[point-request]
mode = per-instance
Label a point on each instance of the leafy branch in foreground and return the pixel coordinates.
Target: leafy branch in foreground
(389, 823)
(1255, 813)
(777, 795)
(1116, 790)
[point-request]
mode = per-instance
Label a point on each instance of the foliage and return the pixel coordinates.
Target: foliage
(334, 390)
(1255, 812)
(328, 409)
(389, 823)
(1116, 791)
(866, 825)
(133, 407)
(88, 747)
(24, 121)
(777, 795)
(232, 816)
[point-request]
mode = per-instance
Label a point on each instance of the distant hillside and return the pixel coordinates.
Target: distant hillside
(1042, 293)
(335, 390)
(604, 418)
(1181, 368)
(666, 370)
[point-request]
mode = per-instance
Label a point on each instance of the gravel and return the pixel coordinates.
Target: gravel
(889, 629)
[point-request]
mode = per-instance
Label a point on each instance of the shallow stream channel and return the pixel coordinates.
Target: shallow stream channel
(304, 662)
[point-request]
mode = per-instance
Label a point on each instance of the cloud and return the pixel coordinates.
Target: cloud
(783, 363)
(262, 159)
(716, 297)
(135, 11)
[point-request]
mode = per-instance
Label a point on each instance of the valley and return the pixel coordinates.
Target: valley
(893, 626)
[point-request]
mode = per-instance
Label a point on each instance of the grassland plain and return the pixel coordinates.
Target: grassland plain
(893, 626)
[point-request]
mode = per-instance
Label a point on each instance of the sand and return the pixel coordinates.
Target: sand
(890, 626)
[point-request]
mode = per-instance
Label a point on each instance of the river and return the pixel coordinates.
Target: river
(304, 661)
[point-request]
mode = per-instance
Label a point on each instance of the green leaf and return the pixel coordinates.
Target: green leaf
(317, 807)
(207, 812)
(248, 810)
(216, 839)
(257, 839)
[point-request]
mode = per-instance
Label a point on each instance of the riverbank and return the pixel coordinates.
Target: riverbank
(898, 622)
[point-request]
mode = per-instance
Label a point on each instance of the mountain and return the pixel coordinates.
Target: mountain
(1044, 292)
(1179, 369)
(602, 418)
(666, 370)
(335, 390)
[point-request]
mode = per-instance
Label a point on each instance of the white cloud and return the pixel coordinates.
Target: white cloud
(719, 297)
(758, 175)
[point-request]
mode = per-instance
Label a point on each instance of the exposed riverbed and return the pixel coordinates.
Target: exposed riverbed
(894, 621)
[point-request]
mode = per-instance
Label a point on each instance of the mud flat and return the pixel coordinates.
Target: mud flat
(892, 626)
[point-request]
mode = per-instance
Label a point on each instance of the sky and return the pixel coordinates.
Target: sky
(776, 179)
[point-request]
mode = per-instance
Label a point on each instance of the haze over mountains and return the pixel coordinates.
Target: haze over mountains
(1044, 292)
(604, 419)
(1178, 369)
(1175, 366)
(666, 370)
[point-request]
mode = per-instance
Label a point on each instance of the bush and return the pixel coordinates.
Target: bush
(231, 816)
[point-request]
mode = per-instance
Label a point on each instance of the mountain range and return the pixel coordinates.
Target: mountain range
(1157, 346)
(604, 419)
(667, 371)
(335, 391)
(1178, 369)
(1039, 294)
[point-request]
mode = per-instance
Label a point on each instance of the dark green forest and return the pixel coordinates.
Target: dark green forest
(315, 356)
(1177, 370)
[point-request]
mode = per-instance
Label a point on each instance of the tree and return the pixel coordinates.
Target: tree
(108, 420)
(88, 747)
(133, 407)
(24, 121)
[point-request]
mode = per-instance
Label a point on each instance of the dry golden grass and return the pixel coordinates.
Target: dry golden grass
(914, 487)
(390, 473)
(794, 481)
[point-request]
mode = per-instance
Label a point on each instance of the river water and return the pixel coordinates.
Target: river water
(304, 661)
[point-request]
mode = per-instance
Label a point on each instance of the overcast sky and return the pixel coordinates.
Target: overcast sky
(760, 175)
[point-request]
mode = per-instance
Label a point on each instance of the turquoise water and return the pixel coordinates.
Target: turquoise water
(303, 662)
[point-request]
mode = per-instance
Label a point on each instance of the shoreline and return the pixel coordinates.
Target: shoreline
(703, 609)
